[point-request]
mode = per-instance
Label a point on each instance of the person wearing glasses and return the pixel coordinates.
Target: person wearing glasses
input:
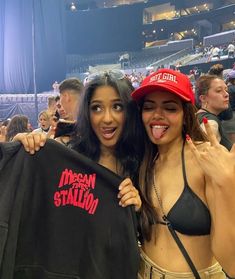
(187, 180)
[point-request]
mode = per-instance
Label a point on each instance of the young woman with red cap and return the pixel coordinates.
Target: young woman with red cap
(187, 180)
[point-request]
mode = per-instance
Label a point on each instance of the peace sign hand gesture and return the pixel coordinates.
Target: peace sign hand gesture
(215, 160)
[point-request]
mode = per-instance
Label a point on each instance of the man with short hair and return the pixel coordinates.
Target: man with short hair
(51, 104)
(70, 91)
(67, 107)
(60, 112)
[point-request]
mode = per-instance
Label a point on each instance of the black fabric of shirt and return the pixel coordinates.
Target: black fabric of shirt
(60, 217)
(231, 90)
(210, 116)
(64, 129)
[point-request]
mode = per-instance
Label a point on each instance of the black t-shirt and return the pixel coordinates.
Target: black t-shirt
(60, 217)
(210, 116)
(231, 90)
(64, 129)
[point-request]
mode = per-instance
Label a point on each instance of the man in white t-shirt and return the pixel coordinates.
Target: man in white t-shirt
(231, 50)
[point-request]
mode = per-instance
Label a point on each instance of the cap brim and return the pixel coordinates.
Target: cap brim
(142, 91)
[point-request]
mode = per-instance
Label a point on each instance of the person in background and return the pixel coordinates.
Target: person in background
(212, 93)
(51, 104)
(60, 111)
(231, 50)
(6, 122)
(70, 91)
(18, 124)
(44, 121)
(217, 70)
(64, 127)
(229, 125)
(3, 129)
(67, 107)
(215, 52)
(55, 86)
(197, 72)
(187, 184)
(51, 111)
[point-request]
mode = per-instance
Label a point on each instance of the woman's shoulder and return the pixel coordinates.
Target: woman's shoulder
(210, 116)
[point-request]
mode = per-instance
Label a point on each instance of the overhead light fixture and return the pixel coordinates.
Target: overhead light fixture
(73, 7)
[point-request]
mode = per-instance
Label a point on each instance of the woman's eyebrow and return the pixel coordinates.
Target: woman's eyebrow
(100, 101)
(170, 101)
(164, 102)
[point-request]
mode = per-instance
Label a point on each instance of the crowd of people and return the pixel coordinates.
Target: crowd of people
(216, 52)
(173, 148)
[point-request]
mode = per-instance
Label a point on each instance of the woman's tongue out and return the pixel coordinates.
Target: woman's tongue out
(108, 132)
(158, 131)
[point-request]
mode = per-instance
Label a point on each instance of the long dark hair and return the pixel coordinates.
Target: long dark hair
(129, 148)
(18, 124)
(148, 214)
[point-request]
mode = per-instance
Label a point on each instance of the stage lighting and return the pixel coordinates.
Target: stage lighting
(73, 7)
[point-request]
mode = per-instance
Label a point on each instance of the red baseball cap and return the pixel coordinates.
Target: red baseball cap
(166, 80)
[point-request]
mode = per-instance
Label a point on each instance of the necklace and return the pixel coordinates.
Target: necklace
(174, 235)
(159, 202)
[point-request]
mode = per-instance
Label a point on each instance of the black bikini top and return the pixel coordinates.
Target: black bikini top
(189, 215)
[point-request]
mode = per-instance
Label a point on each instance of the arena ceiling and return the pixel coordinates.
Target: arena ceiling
(82, 4)
(111, 3)
(90, 4)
